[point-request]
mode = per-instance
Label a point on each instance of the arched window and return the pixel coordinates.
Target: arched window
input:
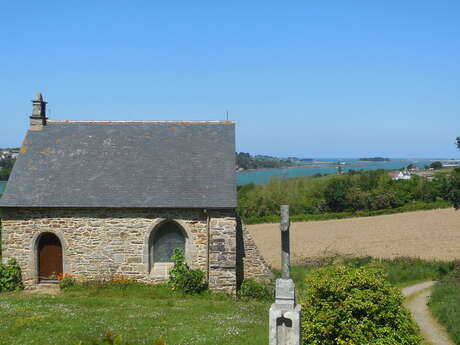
(167, 237)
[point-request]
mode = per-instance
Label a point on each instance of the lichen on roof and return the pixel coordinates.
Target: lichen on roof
(126, 164)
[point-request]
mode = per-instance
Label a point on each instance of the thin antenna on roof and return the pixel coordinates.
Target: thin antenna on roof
(227, 115)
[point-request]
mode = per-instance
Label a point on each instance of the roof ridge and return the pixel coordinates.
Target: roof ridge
(145, 121)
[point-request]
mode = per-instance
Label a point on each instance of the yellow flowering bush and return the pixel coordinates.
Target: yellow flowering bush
(345, 305)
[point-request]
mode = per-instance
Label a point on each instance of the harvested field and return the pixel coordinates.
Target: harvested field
(431, 235)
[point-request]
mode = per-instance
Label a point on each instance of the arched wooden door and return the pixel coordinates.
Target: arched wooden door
(49, 257)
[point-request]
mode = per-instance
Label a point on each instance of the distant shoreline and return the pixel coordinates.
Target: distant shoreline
(305, 166)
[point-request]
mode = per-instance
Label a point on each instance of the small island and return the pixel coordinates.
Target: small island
(374, 159)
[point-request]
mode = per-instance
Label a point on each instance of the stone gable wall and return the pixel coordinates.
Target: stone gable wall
(250, 263)
(255, 265)
(103, 243)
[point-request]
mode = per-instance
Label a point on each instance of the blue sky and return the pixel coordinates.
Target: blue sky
(303, 78)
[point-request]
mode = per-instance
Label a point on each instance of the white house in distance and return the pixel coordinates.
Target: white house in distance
(402, 175)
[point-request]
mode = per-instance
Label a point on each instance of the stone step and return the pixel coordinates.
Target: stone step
(46, 288)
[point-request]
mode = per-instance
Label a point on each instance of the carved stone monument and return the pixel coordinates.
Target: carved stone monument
(284, 324)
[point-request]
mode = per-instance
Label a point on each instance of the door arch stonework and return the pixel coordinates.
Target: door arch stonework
(49, 257)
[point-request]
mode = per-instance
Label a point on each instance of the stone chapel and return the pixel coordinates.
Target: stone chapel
(97, 199)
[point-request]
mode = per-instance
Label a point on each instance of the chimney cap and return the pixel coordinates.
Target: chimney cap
(39, 98)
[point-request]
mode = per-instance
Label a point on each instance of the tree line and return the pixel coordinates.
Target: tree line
(6, 165)
(352, 192)
(246, 161)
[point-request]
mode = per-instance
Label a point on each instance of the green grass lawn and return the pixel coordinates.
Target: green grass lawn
(140, 314)
(445, 304)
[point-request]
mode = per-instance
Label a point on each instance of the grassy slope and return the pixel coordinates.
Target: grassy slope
(414, 206)
(148, 313)
(142, 313)
(401, 272)
(445, 304)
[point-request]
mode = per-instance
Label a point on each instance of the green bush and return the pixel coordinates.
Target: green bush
(182, 278)
(348, 305)
(454, 189)
(67, 282)
(335, 194)
(10, 276)
(252, 289)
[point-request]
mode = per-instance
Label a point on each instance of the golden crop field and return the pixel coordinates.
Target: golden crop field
(428, 235)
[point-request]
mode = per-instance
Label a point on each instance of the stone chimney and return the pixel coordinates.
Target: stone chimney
(38, 118)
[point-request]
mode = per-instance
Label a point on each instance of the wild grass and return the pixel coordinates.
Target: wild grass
(138, 313)
(410, 207)
(445, 303)
(401, 272)
(141, 314)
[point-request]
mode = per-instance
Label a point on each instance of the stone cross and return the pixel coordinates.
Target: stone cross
(285, 251)
(284, 320)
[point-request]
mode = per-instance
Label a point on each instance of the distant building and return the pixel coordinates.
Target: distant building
(9, 153)
(402, 175)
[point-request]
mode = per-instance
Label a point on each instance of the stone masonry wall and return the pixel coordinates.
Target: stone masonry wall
(101, 243)
(250, 263)
(222, 252)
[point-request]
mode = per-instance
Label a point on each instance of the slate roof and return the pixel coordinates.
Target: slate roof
(126, 164)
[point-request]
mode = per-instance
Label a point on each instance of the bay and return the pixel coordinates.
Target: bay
(326, 166)
(322, 166)
(2, 186)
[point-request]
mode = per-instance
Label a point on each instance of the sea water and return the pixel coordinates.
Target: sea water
(322, 166)
(2, 186)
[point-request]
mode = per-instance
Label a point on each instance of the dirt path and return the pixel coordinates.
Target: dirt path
(431, 235)
(416, 300)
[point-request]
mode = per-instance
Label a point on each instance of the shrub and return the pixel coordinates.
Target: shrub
(251, 289)
(454, 193)
(436, 165)
(66, 281)
(381, 200)
(357, 199)
(445, 303)
(10, 276)
(335, 194)
(182, 278)
(352, 306)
